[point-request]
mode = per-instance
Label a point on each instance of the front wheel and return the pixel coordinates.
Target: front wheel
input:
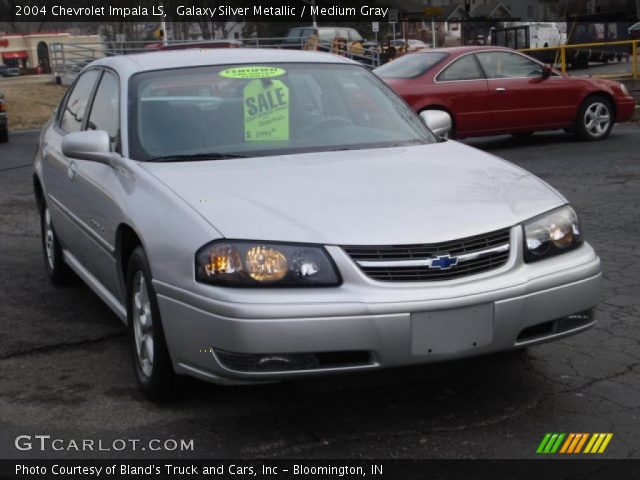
(57, 271)
(595, 119)
(151, 361)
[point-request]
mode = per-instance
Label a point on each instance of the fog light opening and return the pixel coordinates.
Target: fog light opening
(289, 362)
(279, 363)
(553, 327)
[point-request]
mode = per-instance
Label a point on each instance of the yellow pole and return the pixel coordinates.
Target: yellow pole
(634, 60)
(563, 59)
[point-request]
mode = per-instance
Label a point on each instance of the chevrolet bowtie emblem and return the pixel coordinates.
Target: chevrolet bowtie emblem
(443, 262)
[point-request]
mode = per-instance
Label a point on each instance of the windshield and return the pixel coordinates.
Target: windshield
(411, 65)
(267, 109)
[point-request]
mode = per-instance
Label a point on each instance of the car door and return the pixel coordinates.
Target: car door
(462, 88)
(57, 169)
(522, 98)
(95, 188)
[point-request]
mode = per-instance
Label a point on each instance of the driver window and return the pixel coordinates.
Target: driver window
(466, 68)
(104, 111)
(74, 108)
(508, 65)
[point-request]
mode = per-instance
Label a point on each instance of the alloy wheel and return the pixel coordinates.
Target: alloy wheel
(597, 119)
(143, 324)
(49, 239)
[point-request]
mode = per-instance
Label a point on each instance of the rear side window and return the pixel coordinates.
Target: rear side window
(76, 105)
(411, 65)
(105, 111)
(465, 68)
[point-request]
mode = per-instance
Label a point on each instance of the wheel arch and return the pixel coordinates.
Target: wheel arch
(127, 240)
(39, 192)
(601, 93)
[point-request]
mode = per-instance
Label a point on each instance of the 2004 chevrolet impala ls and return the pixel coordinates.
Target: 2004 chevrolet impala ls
(260, 215)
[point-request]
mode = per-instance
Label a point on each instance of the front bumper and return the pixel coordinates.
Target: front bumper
(393, 324)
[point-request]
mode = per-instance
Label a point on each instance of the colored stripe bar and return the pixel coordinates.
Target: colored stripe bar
(573, 443)
(581, 443)
(576, 439)
(594, 437)
(567, 442)
(550, 443)
(543, 443)
(599, 440)
(605, 442)
(556, 446)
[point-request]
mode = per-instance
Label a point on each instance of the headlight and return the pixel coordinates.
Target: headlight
(552, 233)
(624, 89)
(240, 263)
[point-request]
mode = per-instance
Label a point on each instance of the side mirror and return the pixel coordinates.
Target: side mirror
(91, 145)
(438, 121)
(547, 70)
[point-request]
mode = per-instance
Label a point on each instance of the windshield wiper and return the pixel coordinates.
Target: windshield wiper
(196, 157)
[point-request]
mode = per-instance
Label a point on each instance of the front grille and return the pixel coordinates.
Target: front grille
(410, 263)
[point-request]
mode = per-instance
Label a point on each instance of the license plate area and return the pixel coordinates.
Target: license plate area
(456, 330)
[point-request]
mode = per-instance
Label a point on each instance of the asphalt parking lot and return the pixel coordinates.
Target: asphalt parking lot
(65, 369)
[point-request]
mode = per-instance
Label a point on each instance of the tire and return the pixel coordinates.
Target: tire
(57, 271)
(4, 136)
(151, 361)
(595, 119)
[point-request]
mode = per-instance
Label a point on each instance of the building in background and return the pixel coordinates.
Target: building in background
(30, 52)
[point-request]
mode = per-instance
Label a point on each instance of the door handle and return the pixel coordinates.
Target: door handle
(501, 89)
(72, 170)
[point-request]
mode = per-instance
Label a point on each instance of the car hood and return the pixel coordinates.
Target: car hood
(400, 195)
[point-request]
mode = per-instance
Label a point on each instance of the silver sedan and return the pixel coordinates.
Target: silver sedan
(258, 215)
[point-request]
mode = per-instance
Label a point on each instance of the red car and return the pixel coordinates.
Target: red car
(494, 90)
